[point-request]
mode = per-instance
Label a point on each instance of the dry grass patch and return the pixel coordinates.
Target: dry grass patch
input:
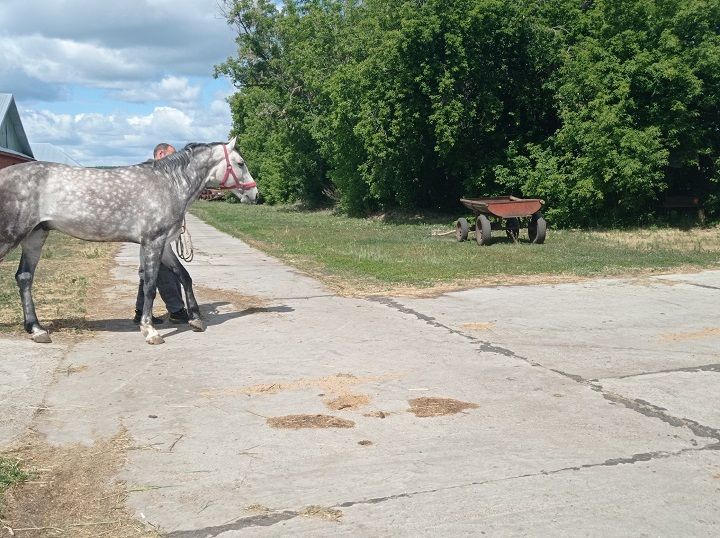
(435, 407)
(73, 494)
(677, 239)
(295, 422)
(348, 402)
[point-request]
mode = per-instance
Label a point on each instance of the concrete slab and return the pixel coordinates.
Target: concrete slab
(604, 328)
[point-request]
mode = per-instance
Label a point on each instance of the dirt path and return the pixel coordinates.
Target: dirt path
(527, 410)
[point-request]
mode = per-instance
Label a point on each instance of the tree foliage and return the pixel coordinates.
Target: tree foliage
(599, 107)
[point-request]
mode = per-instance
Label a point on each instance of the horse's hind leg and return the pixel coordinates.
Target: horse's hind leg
(31, 248)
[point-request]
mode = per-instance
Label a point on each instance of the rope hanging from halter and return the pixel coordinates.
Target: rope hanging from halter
(183, 244)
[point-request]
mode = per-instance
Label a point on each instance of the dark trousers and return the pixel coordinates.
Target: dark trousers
(169, 287)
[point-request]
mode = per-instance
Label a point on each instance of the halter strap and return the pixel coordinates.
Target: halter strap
(230, 172)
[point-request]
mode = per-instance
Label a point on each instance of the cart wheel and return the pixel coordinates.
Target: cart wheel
(512, 228)
(482, 230)
(537, 228)
(461, 229)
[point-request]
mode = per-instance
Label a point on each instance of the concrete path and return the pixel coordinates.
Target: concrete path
(597, 406)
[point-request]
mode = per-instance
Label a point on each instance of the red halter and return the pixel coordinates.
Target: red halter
(230, 172)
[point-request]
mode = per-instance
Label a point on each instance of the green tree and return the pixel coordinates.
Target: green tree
(600, 107)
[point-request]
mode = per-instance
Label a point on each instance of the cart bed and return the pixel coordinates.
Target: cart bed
(503, 206)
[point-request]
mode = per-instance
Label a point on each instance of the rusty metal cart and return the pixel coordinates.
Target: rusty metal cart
(499, 208)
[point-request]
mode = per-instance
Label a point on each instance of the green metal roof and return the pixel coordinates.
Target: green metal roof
(12, 133)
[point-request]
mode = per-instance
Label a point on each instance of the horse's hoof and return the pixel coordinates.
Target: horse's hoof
(41, 337)
(146, 330)
(197, 325)
(154, 340)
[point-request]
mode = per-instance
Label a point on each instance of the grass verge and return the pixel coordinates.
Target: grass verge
(68, 270)
(373, 256)
(74, 492)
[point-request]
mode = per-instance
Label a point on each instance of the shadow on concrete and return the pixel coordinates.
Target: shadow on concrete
(211, 314)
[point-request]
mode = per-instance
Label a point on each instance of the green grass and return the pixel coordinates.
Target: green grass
(370, 254)
(11, 473)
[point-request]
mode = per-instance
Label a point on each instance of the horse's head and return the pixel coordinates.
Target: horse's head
(232, 173)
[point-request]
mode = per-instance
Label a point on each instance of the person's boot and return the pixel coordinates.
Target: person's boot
(181, 316)
(138, 315)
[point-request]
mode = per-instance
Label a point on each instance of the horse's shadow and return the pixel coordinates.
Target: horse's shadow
(211, 315)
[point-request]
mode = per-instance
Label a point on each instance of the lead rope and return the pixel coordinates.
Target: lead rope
(183, 244)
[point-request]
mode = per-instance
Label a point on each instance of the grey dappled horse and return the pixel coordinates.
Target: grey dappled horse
(144, 204)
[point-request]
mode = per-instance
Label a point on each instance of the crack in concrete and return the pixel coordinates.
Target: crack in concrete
(701, 368)
(649, 410)
(262, 520)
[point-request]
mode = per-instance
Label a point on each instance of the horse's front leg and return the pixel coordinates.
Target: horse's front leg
(31, 248)
(150, 255)
(170, 260)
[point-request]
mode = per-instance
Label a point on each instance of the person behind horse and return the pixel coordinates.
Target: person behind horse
(168, 283)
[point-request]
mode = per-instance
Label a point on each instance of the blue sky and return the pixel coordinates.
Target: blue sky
(107, 81)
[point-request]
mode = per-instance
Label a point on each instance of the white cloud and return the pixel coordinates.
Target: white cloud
(119, 139)
(136, 68)
(111, 45)
(70, 62)
(171, 89)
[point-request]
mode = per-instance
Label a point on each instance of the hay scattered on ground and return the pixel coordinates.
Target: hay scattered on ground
(348, 402)
(692, 335)
(73, 369)
(258, 509)
(435, 407)
(296, 422)
(477, 326)
(336, 384)
(377, 414)
(73, 494)
(321, 512)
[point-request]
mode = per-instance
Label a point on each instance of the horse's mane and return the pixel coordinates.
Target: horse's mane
(178, 161)
(172, 162)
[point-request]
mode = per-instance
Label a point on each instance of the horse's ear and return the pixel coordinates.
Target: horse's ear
(231, 143)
